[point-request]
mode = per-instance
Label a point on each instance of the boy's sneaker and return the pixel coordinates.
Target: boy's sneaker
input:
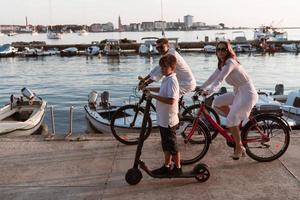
(176, 171)
(161, 171)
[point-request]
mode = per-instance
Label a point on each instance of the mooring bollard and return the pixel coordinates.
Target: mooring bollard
(70, 122)
(52, 120)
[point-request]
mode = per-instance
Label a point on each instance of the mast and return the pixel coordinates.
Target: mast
(162, 19)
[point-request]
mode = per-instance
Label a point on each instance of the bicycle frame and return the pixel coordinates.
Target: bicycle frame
(220, 129)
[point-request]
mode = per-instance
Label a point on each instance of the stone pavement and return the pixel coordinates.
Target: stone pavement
(94, 169)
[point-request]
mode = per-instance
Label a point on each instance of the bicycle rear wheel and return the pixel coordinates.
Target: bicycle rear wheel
(192, 111)
(266, 137)
(126, 124)
(196, 148)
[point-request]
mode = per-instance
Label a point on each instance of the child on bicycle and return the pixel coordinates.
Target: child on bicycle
(167, 115)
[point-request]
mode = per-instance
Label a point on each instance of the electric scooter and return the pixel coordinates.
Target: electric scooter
(134, 175)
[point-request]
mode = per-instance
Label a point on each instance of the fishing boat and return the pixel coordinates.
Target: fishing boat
(22, 115)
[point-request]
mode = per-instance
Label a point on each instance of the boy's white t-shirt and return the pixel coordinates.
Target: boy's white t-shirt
(167, 115)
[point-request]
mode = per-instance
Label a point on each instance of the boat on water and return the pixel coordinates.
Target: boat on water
(209, 49)
(53, 35)
(99, 113)
(112, 48)
(270, 33)
(241, 43)
(291, 47)
(68, 52)
(6, 50)
(82, 32)
(22, 115)
(92, 51)
(11, 33)
(291, 109)
(148, 46)
(34, 52)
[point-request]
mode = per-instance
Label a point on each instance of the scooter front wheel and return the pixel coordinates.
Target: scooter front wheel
(133, 176)
(201, 172)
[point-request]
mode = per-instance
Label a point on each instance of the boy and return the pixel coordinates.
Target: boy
(167, 115)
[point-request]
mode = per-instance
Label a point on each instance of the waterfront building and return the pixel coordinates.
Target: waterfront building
(160, 25)
(97, 27)
(174, 25)
(108, 27)
(135, 27)
(147, 26)
(188, 21)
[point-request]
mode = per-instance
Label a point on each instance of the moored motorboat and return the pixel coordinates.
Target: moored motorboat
(68, 52)
(23, 115)
(6, 50)
(148, 46)
(112, 47)
(92, 51)
(291, 108)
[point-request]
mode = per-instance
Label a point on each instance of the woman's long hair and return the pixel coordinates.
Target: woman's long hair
(229, 54)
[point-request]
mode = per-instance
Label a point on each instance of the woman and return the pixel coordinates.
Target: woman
(235, 105)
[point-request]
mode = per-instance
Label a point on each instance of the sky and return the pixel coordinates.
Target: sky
(233, 13)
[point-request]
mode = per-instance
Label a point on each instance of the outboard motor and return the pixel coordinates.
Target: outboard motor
(105, 99)
(279, 89)
(93, 98)
(27, 93)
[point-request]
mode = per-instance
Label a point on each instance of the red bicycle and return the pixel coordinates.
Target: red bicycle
(265, 136)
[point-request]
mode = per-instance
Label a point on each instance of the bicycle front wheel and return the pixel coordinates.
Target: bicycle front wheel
(194, 149)
(266, 137)
(192, 111)
(126, 124)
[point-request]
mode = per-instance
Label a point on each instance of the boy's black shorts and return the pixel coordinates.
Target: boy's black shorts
(168, 139)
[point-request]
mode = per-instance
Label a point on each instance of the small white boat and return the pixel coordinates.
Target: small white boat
(209, 49)
(68, 52)
(291, 47)
(6, 50)
(82, 32)
(99, 114)
(221, 37)
(53, 35)
(92, 51)
(241, 43)
(23, 115)
(148, 46)
(11, 33)
(291, 108)
(112, 48)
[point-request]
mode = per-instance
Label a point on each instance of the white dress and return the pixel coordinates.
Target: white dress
(184, 74)
(243, 97)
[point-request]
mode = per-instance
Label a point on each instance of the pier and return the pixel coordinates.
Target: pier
(94, 167)
(133, 46)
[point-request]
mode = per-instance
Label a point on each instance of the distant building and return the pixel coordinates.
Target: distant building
(120, 26)
(175, 25)
(108, 27)
(160, 25)
(147, 26)
(96, 27)
(198, 25)
(135, 26)
(188, 21)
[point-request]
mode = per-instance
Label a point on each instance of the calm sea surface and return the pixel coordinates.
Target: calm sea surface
(67, 81)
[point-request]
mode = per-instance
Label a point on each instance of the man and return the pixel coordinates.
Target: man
(185, 77)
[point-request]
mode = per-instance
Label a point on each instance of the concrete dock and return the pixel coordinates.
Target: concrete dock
(94, 167)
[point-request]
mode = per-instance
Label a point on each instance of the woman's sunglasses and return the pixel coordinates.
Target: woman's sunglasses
(222, 49)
